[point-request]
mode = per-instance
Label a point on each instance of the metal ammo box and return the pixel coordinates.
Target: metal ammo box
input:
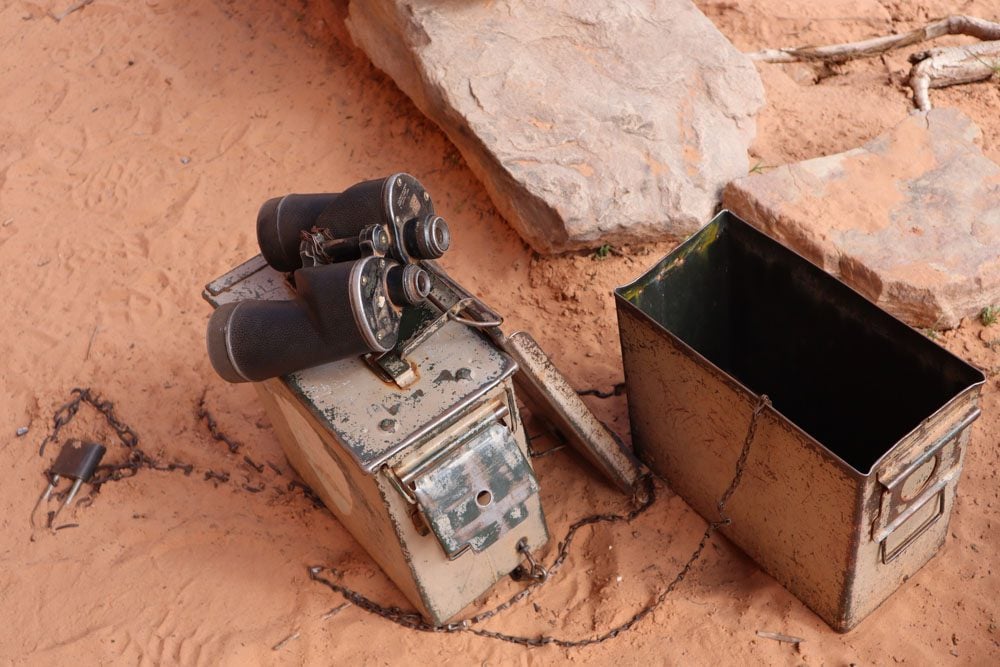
(433, 479)
(850, 481)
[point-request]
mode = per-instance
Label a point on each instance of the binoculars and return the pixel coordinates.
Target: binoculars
(354, 261)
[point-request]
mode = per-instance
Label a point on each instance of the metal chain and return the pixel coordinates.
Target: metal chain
(414, 621)
(616, 390)
(107, 472)
(213, 427)
(538, 575)
(137, 458)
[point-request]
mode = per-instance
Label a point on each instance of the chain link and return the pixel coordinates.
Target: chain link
(107, 472)
(138, 459)
(644, 498)
(213, 426)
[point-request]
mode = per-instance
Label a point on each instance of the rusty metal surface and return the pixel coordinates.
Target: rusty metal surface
(849, 489)
(549, 393)
(479, 492)
(905, 506)
(547, 390)
(235, 286)
(453, 433)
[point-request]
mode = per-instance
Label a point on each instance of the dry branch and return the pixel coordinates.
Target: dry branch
(76, 6)
(935, 68)
(951, 66)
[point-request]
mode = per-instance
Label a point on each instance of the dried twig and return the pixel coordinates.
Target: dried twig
(951, 66)
(280, 645)
(545, 452)
(785, 639)
(778, 637)
(336, 610)
(76, 6)
(90, 343)
(936, 68)
(953, 25)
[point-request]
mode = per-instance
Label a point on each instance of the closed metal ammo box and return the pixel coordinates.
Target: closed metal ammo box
(850, 481)
(433, 479)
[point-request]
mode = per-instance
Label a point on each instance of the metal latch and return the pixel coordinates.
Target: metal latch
(913, 499)
(478, 492)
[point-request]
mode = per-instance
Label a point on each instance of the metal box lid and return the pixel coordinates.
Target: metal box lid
(374, 419)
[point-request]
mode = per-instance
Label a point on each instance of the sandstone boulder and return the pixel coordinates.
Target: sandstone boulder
(911, 220)
(588, 121)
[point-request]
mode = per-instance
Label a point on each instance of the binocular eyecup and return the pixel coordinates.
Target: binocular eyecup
(342, 310)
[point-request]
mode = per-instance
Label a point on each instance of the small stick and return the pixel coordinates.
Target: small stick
(953, 25)
(935, 68)
(280, 645)
(333, 612)
(76, 6)
(951, 66)
(90, 343)
(778, 637)
(545, 452)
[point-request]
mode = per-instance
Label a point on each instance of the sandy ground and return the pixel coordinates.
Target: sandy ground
(137, 140)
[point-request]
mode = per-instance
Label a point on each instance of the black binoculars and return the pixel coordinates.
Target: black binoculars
(354, 261)
(398, 205)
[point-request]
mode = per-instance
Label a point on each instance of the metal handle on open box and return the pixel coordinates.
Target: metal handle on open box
(915, 498)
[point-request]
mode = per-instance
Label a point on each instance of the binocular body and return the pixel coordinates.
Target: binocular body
(398, 204)
(353, 259)
(341, 310)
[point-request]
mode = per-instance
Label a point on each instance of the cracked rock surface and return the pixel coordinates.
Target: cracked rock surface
(588, 122)
(911, 219)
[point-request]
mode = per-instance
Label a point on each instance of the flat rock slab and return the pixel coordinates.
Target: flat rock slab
(589, 122)
(911, 220)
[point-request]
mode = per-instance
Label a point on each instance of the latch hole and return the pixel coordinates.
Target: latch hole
(484, 498)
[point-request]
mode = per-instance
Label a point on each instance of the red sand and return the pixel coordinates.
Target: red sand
(139, 138)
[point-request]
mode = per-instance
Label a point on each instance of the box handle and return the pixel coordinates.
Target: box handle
(933, 495)
(910, 487)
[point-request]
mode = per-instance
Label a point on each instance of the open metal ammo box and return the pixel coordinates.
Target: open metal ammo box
(433, 479)
(851, 478)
